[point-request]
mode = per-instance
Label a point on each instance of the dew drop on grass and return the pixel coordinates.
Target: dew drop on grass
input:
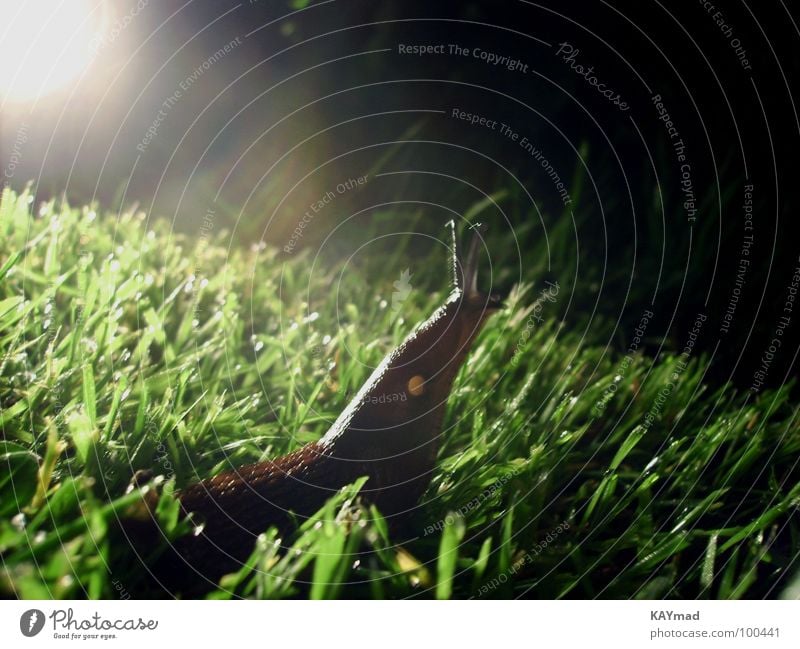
(19, 522)
(310, 317)
(326, 339)
(651, 464)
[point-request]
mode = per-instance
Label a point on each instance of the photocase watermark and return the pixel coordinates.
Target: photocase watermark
(569, 54)
(523, 561)
(194, 283)
(548, 294)
(510, 63)
(317, 206)
(784, 320)
(15, 158)
(471, 506)
(537, 154)
(66, 626)
(392, 397)
(31, 622)
(476, 119)
(402, 291)
(679, 149)
(162, 457)
(744, 262)
(162, 452)
(683, 360)
(727, 30)
(107, 37)
(169, 103)
(51, 327)
(625, 363)
(122, 592)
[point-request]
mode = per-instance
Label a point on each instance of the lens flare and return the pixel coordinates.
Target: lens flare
(46, 44)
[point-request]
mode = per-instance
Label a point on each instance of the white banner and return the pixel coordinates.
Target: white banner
(400, 624)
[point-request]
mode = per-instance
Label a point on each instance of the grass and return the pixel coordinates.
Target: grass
(569, 470)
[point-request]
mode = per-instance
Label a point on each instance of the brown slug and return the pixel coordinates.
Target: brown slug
(394, 441)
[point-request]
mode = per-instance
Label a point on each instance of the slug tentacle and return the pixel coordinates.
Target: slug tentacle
(471, 265)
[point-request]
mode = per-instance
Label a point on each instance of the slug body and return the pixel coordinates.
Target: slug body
(389, 432)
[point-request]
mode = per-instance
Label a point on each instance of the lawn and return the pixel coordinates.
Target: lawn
(571, 468)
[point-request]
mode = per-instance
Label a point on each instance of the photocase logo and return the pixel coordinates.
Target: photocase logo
(402, 289)
(31, 622)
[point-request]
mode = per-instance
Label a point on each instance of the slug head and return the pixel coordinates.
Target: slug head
(391, 428)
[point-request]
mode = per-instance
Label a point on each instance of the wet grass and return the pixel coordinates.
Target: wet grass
(570, 469)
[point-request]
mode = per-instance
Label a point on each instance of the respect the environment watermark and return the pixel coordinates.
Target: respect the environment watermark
(170, 102)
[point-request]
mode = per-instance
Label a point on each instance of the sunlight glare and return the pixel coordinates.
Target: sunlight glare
(45, 44)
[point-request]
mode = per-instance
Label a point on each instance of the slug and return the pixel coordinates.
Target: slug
(390, 438)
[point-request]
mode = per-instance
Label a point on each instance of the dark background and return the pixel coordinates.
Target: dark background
(310, 99)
